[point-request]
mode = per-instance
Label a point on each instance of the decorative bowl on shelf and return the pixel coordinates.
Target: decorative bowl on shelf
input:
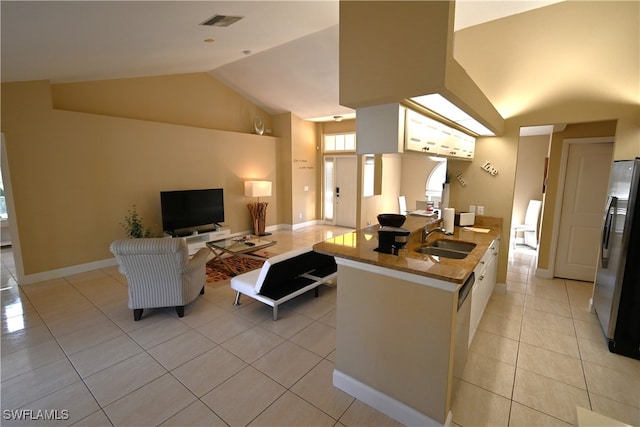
(391, 220)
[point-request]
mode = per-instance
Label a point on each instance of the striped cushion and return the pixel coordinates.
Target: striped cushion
(159, 272)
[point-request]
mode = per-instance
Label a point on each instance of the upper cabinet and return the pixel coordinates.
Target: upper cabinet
(429, 136)
(421, 134)
(393, 128)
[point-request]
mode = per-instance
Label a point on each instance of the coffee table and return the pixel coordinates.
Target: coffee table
(242, 246)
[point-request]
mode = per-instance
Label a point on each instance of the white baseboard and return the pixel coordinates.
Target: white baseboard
(305, 224)
(543, 273)
(383, 403)
(83, 268)
(272, 228)
(67, 271)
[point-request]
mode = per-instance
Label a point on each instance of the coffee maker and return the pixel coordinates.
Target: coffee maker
(390, 239)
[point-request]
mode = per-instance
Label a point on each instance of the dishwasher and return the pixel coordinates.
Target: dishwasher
(462, 326)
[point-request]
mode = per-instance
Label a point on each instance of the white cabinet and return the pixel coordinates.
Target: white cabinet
(486, 275)
(420, 134)
(429, 136)
(198, 241)
(468, 146)
(457, 145)
(449, 145)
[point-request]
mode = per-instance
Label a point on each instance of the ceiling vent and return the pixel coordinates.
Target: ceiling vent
(221, 20)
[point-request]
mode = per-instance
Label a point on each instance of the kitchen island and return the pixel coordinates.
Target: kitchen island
(400, 334)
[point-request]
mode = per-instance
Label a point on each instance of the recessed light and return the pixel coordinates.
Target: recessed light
(209, 40)
(247, 52)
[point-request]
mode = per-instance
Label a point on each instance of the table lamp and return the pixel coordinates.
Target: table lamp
(258, 209)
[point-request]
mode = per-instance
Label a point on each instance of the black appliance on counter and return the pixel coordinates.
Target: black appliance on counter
(390, 239)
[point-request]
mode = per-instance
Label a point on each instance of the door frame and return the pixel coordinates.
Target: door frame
(555, 234)
(13, 228)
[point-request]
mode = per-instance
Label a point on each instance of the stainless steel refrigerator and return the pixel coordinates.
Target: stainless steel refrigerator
(616, 296)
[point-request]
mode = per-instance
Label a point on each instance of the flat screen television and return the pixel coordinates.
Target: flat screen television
(187, 209)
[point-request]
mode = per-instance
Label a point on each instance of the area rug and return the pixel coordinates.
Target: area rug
(216, 271)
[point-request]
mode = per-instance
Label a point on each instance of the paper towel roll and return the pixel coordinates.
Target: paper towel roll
(448, 219)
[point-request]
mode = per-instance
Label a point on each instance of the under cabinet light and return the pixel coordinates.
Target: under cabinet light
(445, 108)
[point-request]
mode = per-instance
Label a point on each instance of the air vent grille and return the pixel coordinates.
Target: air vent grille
(221, 20)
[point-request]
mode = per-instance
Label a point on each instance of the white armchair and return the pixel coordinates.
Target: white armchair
(160, 273)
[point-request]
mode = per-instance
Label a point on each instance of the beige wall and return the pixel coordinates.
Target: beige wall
(532, 151)
(304, 169)
(399, 342)
(611, 97)
(197, 100)
(75, 175)
(298, 167)
(412, 35)
(495, 193)
(282, 128)
(343, 126)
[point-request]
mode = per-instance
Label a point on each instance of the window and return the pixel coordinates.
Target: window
(368, 175)
(372, 175)
(329, 185)
(340, 142)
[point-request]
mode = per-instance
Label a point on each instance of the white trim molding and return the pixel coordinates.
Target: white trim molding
(383, 403)
(67, 271)
(305, 224)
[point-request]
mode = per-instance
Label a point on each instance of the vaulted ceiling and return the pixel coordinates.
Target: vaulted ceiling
(284, 55)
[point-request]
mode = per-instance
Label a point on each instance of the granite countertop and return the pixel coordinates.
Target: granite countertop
(359, 246)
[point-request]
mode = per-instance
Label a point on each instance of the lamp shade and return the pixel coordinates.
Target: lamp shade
(257, 188)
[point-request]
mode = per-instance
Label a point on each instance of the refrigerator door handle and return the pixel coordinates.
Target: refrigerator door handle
(606, 232)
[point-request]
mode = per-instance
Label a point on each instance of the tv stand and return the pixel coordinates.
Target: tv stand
(197, 241)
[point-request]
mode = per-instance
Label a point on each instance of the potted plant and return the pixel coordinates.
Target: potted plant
(134, 226)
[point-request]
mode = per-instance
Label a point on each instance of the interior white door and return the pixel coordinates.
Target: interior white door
(585, 192)
(346, 175)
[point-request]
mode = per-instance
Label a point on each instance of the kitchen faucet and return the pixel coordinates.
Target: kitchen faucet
(426, 233)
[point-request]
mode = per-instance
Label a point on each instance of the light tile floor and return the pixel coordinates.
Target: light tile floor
(538, 353)
(71, 344)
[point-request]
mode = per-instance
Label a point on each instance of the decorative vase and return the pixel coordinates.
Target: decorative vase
(258, 217)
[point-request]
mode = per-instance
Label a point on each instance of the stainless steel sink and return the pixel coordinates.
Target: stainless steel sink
(454, 249)
(454, 245)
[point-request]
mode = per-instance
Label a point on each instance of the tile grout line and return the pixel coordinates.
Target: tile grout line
(515, 371)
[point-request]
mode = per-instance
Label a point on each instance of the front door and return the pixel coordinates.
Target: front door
(585, 192)
(340, 190)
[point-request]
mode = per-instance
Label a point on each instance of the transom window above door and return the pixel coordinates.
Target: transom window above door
(340, 142)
